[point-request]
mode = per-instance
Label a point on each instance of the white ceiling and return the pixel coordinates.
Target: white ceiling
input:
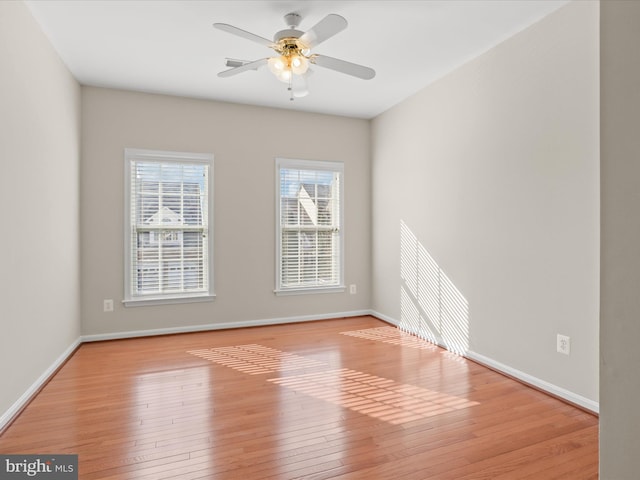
(171, 47)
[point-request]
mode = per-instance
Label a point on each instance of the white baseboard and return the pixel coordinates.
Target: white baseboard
(543, 385)
(536, 382)
(384, 317)
(37, 385)
(220, 326)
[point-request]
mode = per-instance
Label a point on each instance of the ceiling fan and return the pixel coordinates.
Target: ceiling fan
(293, 53)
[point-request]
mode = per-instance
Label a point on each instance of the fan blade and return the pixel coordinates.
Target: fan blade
(299, 85)
(234, 62)
(323, 30)
(243, 68)
(243, 33)
(343, 66)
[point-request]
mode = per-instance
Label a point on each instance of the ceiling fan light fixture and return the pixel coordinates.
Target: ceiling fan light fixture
(285, 66)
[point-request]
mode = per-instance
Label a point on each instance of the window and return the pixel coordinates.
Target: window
(167, 233)
(309, 226)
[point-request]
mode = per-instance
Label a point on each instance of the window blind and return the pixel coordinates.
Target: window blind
(168, 227)
(310, 225)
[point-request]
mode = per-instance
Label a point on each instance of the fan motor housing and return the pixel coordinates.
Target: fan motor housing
(288, 33)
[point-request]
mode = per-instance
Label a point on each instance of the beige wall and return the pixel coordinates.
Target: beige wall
(244, 141)
(490, 178)
(39, 157)
(620, 295)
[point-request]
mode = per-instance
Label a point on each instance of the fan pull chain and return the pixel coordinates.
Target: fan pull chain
(291, 87)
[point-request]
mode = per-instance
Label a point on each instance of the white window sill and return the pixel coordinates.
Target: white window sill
(166, 300)
(310, 290)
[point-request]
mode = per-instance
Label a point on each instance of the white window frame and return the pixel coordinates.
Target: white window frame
(131, 299)
(311, 165)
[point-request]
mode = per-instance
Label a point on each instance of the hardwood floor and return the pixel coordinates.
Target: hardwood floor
(303, 400)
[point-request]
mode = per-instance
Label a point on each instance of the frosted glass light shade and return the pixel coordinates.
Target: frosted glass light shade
(277, 64)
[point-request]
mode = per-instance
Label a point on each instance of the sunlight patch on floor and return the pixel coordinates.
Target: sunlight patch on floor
(378, 397)
(392, 335)
(255, 359)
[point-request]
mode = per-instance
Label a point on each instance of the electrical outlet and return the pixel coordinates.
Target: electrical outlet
(108, 305)
(563, 344)
(353, 289)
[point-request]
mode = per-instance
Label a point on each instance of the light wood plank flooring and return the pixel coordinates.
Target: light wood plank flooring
(345, 398)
